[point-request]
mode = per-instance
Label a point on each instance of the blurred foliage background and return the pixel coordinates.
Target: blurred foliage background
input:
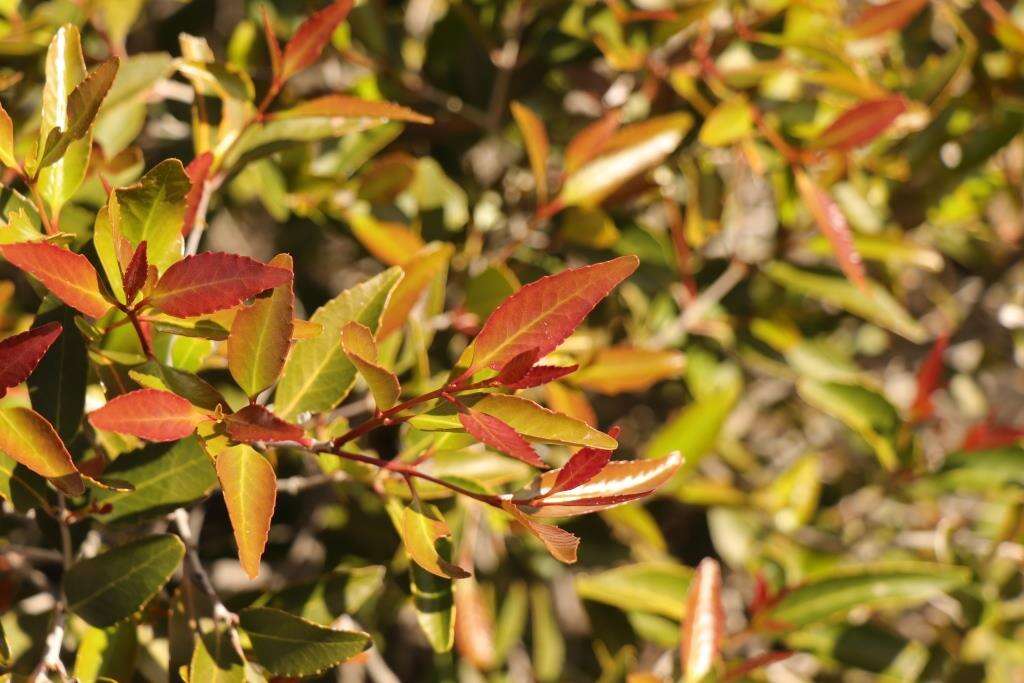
(828, 318)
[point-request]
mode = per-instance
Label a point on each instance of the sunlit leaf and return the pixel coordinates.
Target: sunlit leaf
(704, 625)
(212, 281)
(250, 490)
(500, 436)
(153, 210)
(423, 529)
(622, 369)
(361, 349)
(148, 414)
(69, 276)
(32, 441)
(256, 424)
(261, 336)
(535, 138)
(833, 225)
(311, 37)
(861, 124)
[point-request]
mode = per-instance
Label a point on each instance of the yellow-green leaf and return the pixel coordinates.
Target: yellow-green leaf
(28, 438)
(250, 491)
(361, 349)
(728, 123)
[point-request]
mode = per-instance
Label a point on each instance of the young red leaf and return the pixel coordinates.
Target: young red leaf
(583, 466)
(499, 435)
(213, 281)
(197, 171)
(542, 374)
(928, 377)
(591, 141)
(250, 493)
(543, 313)
(517, 368)
(26, 436)
(21, 353)
(833, 225)
(989, 434)
(273, 47)
(861, 124)
(892, 16)
(311, 37)
(704, 625)
(535, 137)
(261, 336)
(618, 482)
(560, 543)
(69, 276)
(254, 423)
(136, 272)
(148, 414)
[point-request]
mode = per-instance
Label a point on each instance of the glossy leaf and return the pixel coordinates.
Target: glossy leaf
(255, 424)
(535, 137)
(358, 343)
(21, 353)
(318, 374)
(82, 106)
(69, 276)
(153, 211)
(423, 528)
(250, 491)
(543, 313)
(704, 626)
(59, 382)
(311, 37)
(492, 432)
(261, 336)
(287, 645)
(148, 414)
(833, 225)
(584, 465)
(861, 124)
(32, 441)
(212, 281)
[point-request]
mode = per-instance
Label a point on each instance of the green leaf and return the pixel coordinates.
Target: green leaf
(695, 429)
(123, 114)
(214, 659)
(261, 335)
(107, 653)
(361, 349)
(317, 374)
(426, 537)
(191, 387)
(531, 420)
(655, 587)
(287, 645)
(864, 411)
(153, 210)
(22, 487)
(548, 642)
(342, 591)
(58, 384)
(7, 157)
(988, 471)
(82, 105)
(728, 123)
(165, 477)
(877, 305)
(832, 594)
(112, 586)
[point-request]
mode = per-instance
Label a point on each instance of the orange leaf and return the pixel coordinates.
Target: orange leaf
(543, 313)
(560, 543)
(591, 141)
(27, 437)
(500, 436)
(250, 492)
(21, 353)
(348, 107)
(311, 37)
(417, 274)
(261, 336)
(69, 276)
(254, 423)
(833, 225)
(704, 625)
(197, 171)
(213, 281)
(148, 414)
(537, 147)
(542, 374)
(273, 47)
(891, 16)
(861, 124)
(474, 625)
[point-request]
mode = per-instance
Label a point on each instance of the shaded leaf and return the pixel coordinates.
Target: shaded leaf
(250, 491)
(728, 123)
(214, 659)
(20, 353)
(28, 438)
(336, 106)
(543, 313)
(474, 625)
(654, 587)
(287, 645)
(423, 529)
(148, 414)
(535, 137)
(115, 584)
(213, 281)
(58, 384)
(590, 141)
(891, 16)
(107, 653)
(417, 274)
(622, 369)
(69, 276)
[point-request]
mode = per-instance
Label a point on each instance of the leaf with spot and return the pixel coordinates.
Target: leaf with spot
(148, 414)
(28, 438)
(69, 276)
(213, 281)
(113, 585)
(250, 491)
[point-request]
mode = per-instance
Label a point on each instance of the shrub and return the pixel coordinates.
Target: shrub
(441, 340)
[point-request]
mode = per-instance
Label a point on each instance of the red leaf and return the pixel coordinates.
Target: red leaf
(213, 281)
(148, 414)
(862, 123)
(583, 466)
(135, 273)
(69, 276)
(989, 434)
(833, 225)
(197, 171)
(928, 378)
(273, 47)
(542, 374)
(21, 353)
(704, 625)
(500, 436)
(891, 16)
(543, 313)
(255, 423)
(311, 37)
(517, 368)
(741, 671)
